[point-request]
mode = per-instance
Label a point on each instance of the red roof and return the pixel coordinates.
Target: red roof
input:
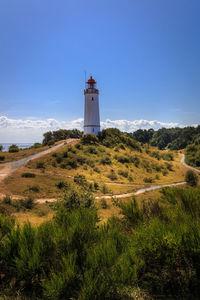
(91, 80)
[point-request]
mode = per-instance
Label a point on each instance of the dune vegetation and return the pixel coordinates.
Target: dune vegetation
(62, 238)
(152, 251)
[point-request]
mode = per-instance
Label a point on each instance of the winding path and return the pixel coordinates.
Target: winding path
(183, 162)
(7, 168)
(151, 188)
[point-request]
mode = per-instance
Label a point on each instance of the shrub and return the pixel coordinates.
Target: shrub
(78, 146)
(62, 184)
(7, 200)
(164, 172)
(59, 159)
(91, 150)
(2, 157)
(96, 186)
(123, 173)
(28, 202)
(106, 161)
(28, 175)
(169, 166)
(89, 139)
(37, 145)
(40, 165)
(131, 211)
(104, 189)
(90, 163)
(148, 179)
(13, 148)
(191, 178)
(112, 175)
(155, 154)
(71, 162)
(80, 179)
(1, 147)
(135, 160)
(96, 170)
(34, 188)
(104, 204)
(122, 159)
(168, 156)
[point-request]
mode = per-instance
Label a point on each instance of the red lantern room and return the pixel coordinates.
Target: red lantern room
(91, 86)
(91, 83)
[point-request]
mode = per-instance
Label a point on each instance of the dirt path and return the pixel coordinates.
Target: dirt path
(138, 192)
(7, 168)
(190, 167)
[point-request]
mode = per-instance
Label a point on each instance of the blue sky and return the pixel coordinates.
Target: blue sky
(144, 54)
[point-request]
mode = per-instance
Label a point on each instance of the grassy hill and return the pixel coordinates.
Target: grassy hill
(128, 165)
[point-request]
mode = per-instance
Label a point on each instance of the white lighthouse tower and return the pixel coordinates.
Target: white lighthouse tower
(91, 113)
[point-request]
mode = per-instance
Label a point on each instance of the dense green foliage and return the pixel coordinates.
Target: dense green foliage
(173, 138)
(192, 155)
(51, 137)
(153, 250)
(114, 137)
(1, 147)
(13, 148)
(191, 178)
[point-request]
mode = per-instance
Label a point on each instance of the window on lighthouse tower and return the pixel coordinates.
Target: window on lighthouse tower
(92, 99)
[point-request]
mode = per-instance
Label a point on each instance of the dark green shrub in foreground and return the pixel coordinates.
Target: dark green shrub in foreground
(191, 178)
(2, 157)
(153, 248)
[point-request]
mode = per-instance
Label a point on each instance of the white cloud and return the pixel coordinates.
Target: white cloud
(31, 130)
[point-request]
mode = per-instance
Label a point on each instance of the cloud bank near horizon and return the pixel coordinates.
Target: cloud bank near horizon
(31, 130)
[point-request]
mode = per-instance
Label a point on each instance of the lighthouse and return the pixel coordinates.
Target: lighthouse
(91, 112)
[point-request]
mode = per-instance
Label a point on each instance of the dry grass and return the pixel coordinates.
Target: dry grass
(47, 178)
(39, 214)
(22, 153)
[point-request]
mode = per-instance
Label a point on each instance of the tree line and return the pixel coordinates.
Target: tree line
(172, 138)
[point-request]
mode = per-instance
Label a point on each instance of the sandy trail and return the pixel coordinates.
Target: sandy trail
(7, 168)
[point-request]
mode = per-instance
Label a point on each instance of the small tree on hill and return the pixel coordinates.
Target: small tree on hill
(191, 178)
(1, 147)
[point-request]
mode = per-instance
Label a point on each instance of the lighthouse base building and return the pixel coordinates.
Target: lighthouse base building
(91, 112)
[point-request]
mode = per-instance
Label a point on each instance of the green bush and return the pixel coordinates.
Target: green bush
(89, 139)
(2, 157)
(112, 175)
(13, 148)
(148, 179)
(191, 178)
(80, 179)
(40, 165)
(122, 159)
(1, 147)
(123, 173)
(106, 161)
(7, 200)
(28, 175)
(62, 185)
(104, 204)
(34, 188)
